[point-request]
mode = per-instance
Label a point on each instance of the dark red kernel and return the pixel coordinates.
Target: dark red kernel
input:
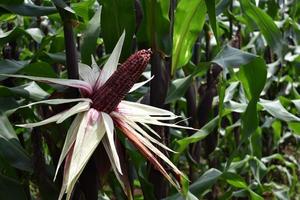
(108, 96)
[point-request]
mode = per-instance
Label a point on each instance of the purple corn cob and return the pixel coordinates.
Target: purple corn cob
(108, 96)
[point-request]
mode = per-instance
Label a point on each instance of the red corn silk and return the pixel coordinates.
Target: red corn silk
(108, 96)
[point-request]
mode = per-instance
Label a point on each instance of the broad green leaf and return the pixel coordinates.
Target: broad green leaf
(255, 196)
(11, 189)
(276, 109)
(265, 24)
(190, 196)
(29, 90)
(10, 147)
(178, 88)
(232, 57)
(253, 78)
(205, 181)
(7, 104)
(57, 57)
(117, 16)
(11, 66)
(235, 180)
(256, 143)
(39, 69)
(295, 127)
(199, 135)
(83, 8)
(29, 9)
(35, 33)
(189, 21)
(90, 36)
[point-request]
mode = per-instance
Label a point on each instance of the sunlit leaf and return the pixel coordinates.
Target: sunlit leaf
(189, 20)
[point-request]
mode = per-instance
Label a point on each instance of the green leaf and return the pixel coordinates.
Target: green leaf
(29, 90)
(11, 66)
(90, 36)
(199, 186)
(10, 147)
(232, 57)
(29, 9)
(178, 88)
(211, 10)
(39, 69)
(188, 23)
(35, 33)
(258, 168)
(199, 135)
(190, 196)
(154, 30)
(295, 127)
(205, 181)
(265, 24)
(11, 189)
(235, 180)
(117, 16)
(276, 109)
(253, 78)
(255, 196)
(83, 8)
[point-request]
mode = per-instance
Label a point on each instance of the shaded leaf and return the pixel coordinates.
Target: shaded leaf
(10, 147)
(199, 135)
(29, 9)
(11, 66)
(211, 10)
(117, 16)
(11, 189)
(253, 78)
(178, 88)
(205, 181)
